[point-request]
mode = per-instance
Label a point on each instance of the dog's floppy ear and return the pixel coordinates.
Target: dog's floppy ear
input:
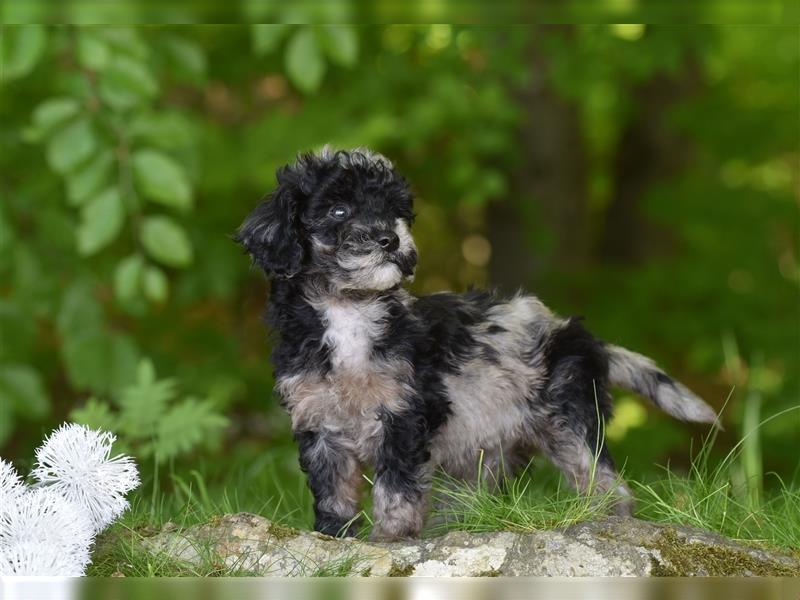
(271, 234)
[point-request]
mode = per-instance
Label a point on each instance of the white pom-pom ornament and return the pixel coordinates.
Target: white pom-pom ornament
(48, 530)
(44, 517)
(11, 487)
(76, 461)
(29, 559)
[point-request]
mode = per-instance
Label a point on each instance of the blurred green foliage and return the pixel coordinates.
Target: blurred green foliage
(129, 154)
(389, 11)
(151, 420)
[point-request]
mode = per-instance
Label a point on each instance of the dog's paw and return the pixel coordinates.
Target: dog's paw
(383, 534)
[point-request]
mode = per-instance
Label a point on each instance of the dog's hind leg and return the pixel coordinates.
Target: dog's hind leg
(587, 471)
(568, 429)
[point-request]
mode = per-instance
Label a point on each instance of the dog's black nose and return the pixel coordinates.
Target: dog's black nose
(388, 240)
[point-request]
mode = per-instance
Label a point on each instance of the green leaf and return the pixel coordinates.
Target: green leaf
(127, 278)
(145, 372)
(88, 179)
(22, 388)
(101, 361)
(51, 113)
(304, 62)
(80, 312)
(101, 221)
(21, 47)
(166, 241)
(340, 43)
(126, 40)
(186, 425)
(93, 51)
(155, 284)
(187, 59)
(144, 403)
(71, 146)
(127, 82)
(161, 179)
(266, 38)
(95, 414)
(165, 129)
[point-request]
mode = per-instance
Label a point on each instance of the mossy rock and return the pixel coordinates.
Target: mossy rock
(611, 547)
(681, 557)
(398, 571)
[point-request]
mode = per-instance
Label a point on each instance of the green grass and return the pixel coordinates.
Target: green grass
(714, 494)
(728, 495)
(707, 497)
(271, 486)
(537, 499)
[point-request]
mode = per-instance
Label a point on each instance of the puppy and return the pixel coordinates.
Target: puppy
(373, 376)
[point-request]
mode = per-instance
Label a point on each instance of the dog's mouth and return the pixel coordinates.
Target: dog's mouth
(373, 270)
(406, 262)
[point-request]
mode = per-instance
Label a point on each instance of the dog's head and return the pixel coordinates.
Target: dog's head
(341, 216)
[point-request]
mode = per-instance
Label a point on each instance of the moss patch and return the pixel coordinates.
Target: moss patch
(215, 521)
(282, 532)
(682, 558)
(396, 571)
(490, 573)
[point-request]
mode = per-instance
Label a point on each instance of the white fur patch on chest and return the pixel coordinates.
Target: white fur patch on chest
(345, 400)
(352, 329)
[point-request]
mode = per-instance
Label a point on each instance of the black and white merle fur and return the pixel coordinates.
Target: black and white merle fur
(373, 376)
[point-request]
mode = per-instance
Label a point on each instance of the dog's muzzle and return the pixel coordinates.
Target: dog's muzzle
(376, 256)
(369, 240)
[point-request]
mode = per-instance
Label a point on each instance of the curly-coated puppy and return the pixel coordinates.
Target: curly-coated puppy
(373, 376)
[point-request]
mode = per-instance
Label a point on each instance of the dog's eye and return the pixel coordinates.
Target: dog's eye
(339, 212)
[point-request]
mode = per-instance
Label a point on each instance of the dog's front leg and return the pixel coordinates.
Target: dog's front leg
(402, 478)
(334, 476)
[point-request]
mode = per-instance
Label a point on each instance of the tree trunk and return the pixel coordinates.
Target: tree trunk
(548, 188)
(547, 191)
(648, 151)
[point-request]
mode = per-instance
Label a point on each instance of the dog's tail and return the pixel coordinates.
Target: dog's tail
(640, 374)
